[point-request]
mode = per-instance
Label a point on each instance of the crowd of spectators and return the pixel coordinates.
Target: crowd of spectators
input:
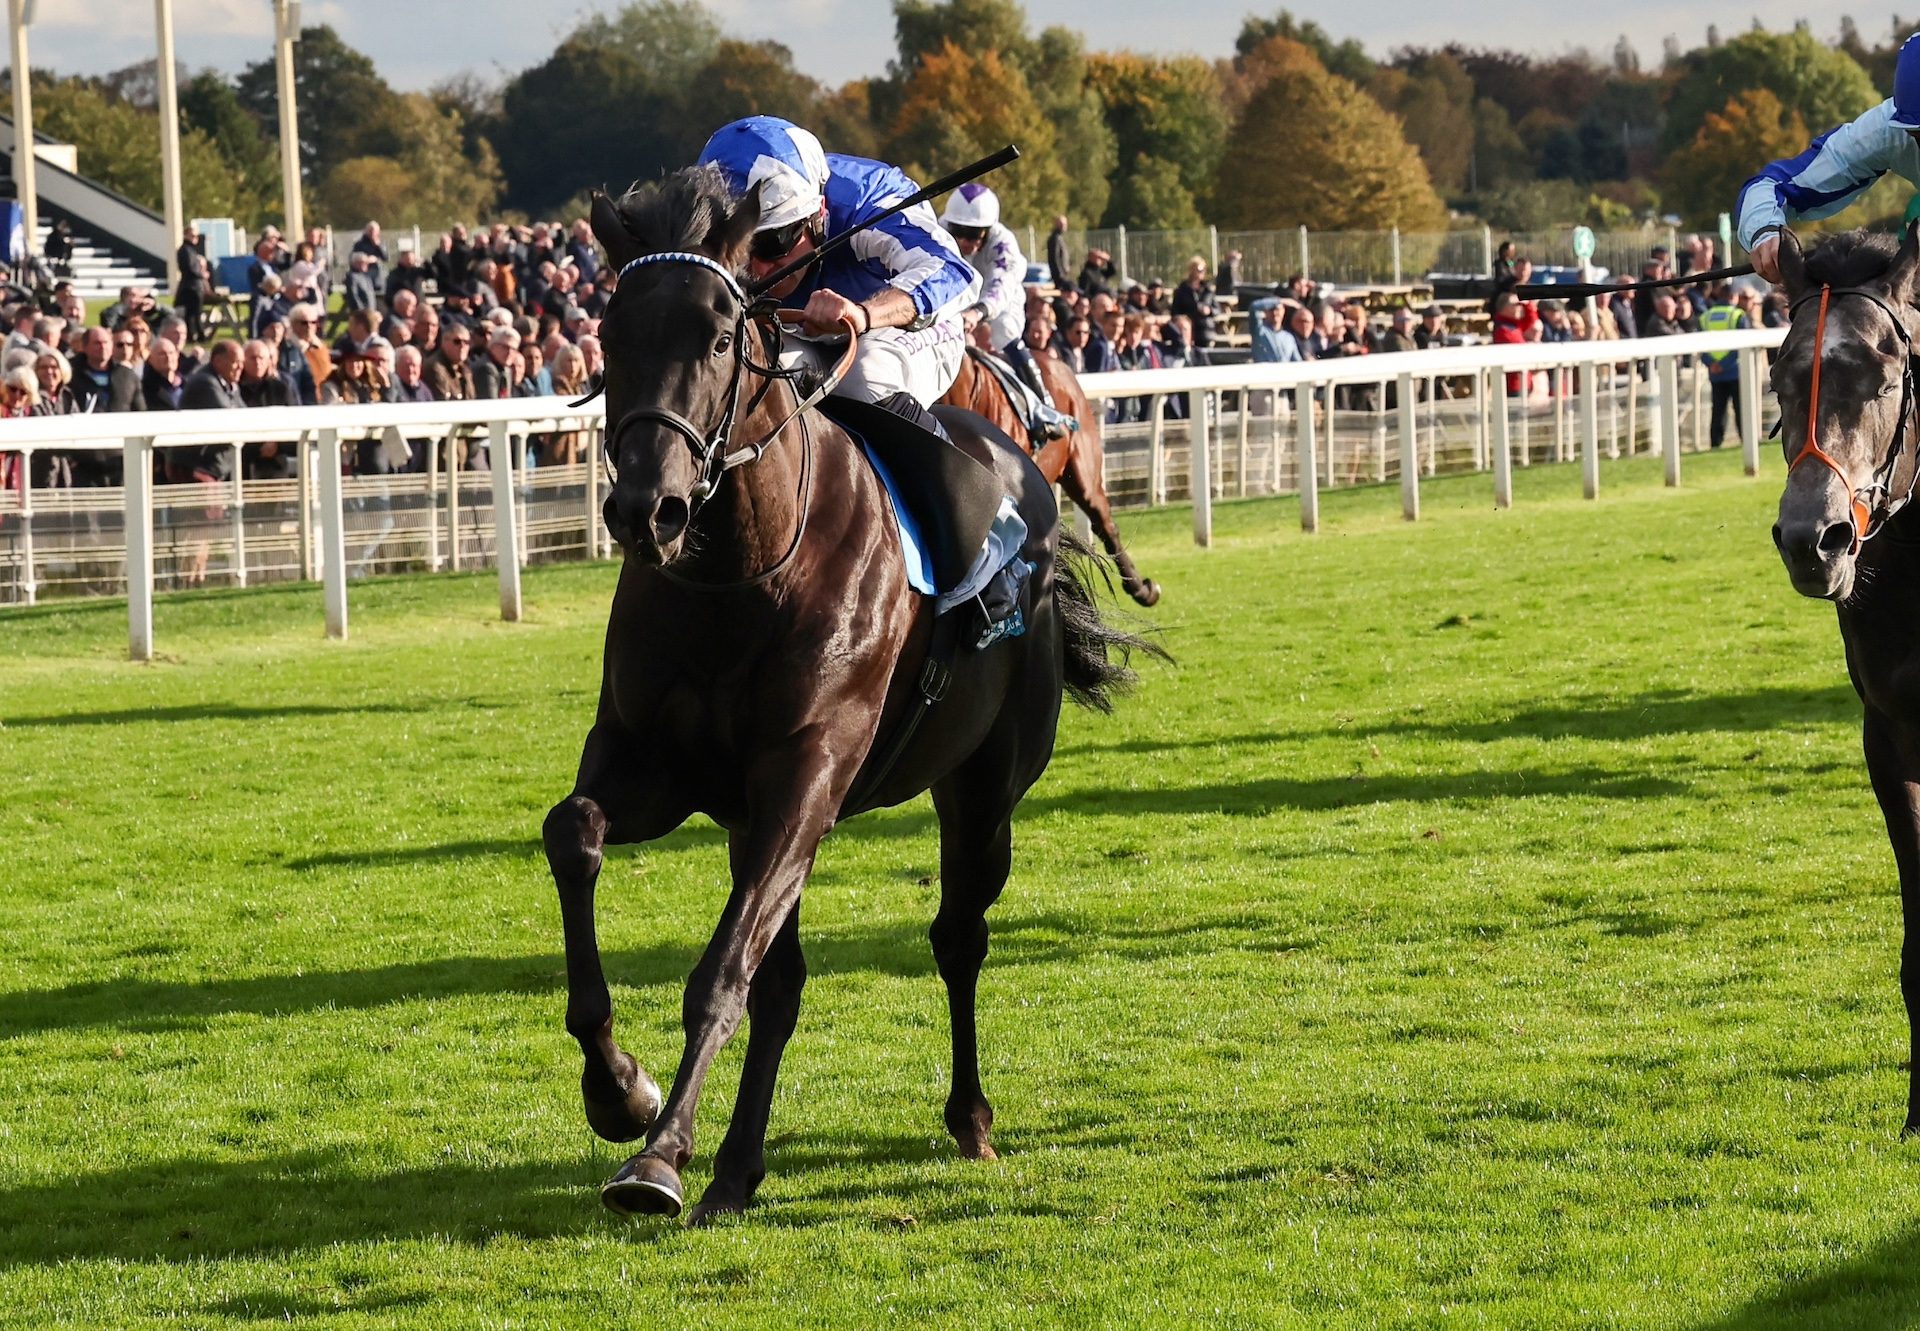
(513, 312)
(1095, 322)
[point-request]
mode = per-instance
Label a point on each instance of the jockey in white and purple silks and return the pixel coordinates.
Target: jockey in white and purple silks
(901, 283)
(1836, 168)
(972, 217)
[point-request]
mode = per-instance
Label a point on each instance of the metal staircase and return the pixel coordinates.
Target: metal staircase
(98, 274)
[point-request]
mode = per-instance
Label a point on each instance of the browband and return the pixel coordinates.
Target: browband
(697, 260)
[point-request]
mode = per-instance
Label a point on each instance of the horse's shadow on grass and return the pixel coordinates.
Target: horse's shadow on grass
(207, 711)
(898, 949)
(1646, 715)
(198, 1209)
(1880, 1288)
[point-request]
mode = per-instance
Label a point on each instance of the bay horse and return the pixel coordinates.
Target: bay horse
(1845, 380)
(763, 645)
(1078, 462)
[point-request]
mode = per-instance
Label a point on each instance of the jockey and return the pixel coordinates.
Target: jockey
(1835, 168)
(902, 284)
(972, 217)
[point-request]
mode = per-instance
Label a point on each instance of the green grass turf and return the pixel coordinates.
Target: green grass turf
(1486, 924)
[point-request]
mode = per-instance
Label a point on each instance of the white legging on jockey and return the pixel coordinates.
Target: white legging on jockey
(1010, 325)
(890, 360)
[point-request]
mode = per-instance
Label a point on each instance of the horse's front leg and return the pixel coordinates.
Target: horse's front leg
(1893, 763)
(621, 1100)
(771, 859)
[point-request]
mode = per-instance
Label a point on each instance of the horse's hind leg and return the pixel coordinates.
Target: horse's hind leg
(1893, 762)
(976, 853)
(1084, 485)
(773, 1008)
(621, 1100)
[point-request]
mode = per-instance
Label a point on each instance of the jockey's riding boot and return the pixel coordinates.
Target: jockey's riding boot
(1054, 423)
(909, 407)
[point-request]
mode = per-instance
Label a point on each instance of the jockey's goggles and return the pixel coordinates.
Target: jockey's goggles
(966, 232)
(778, 242)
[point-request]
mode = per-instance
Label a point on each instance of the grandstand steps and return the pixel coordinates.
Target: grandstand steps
(98, 275)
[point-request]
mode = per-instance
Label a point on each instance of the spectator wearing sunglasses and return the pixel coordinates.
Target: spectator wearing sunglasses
(901, 285)
(449, 371)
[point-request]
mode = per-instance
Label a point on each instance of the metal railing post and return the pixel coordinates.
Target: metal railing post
(506, 522)
(1486, 250)
(1409, 452)
(239, 521)
(1750, 410)
(1396, 257)
(1157, 453)
(1501, 446)
(1309, 482)
(1305, 269)
(333, 534)
(137, 473)
(1199, 468)
(29, 586)
(1669, 371)
(1120, 245)
(1590, 431)
(455, 470)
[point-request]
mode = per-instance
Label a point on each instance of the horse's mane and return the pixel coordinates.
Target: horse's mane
(1851, 258)
(692, 209)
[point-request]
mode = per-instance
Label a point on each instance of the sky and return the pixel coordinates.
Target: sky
(417, 42)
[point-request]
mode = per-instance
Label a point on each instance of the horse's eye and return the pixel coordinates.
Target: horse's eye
(724, 345)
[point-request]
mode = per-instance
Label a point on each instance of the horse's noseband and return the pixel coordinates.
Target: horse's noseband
(1870, 506)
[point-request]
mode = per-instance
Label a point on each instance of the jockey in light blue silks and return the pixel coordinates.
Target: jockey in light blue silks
(1835, 168)
(902, 283)
(972, 217)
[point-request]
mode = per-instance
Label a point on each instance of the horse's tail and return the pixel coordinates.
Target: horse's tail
(1099, 655)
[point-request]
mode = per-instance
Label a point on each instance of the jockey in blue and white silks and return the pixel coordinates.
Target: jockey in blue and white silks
(1835, 168)
(901, 283)
(972, 218)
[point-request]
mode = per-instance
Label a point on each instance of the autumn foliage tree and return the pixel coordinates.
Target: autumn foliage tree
(1167, 119)
(1704, 178)
(958, 107)
(1311, 149)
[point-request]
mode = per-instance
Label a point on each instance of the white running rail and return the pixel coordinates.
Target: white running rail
(314, 509)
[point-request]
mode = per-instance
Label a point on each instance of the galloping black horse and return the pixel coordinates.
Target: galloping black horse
(763, 650)
(1845, 379)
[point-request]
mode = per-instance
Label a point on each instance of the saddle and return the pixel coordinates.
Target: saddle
(951, 497)
(1018, 394)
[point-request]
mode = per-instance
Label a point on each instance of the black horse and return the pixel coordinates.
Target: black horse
(1845, 379)
(764, 655)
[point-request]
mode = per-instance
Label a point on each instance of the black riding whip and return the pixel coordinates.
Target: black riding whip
(1581, 290)
(991, 162)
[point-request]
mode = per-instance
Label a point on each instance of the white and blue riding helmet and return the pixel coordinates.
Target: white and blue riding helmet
(785, 161)
(1906, 86)
(972, 205)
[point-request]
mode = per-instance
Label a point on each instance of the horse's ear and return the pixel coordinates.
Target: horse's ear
(735, 234)
(1793, 263)
(1903, 278)
(611, 231)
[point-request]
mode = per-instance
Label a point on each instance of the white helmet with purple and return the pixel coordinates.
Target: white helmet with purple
(785, 161)
(973, 206)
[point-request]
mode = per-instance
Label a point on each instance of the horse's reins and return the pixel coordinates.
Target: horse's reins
(709, 448)
(1872, 506)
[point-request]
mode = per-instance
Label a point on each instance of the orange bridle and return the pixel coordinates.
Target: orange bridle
(1864, 515)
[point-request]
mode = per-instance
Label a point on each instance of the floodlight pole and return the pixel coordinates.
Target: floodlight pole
(19, 15)
(286, 31)
(169, 138)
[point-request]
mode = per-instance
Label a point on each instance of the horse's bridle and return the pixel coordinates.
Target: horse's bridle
(1870, 506)
(709, 448)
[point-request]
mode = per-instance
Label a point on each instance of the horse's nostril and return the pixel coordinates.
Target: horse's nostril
(1776, 537)
(669, 519)
(1837, 539)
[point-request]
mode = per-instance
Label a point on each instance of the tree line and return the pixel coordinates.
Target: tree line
(1293, 128)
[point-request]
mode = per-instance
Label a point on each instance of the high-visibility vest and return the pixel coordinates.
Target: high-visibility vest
(1720, 319)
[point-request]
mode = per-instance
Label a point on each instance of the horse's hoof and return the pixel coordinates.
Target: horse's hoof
(710, 1210)
(1147, 593)
(644, 1186)
(628, 1117)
